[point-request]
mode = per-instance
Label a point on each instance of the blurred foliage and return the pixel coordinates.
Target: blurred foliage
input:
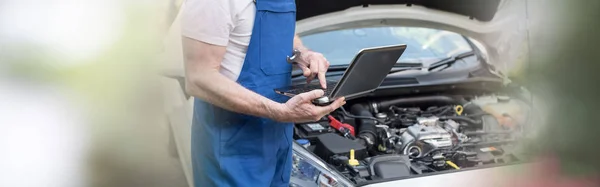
(119, 90)
(518, 71)
(23, 60)
(565, 68)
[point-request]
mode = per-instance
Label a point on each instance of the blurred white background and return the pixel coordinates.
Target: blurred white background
(79, 94)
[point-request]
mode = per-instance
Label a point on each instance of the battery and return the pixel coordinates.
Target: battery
(311, 130)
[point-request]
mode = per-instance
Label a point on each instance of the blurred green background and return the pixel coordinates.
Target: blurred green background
(564, 66)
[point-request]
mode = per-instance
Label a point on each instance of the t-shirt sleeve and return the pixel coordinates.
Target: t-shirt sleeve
(207, 21)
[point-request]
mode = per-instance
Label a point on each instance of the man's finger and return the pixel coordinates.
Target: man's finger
(314, 69)
(305, 70)
(337, 104)
(322, 71)
(297, 99)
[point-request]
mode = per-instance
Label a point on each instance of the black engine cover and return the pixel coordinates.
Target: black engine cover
(389, 166)
(332, 144)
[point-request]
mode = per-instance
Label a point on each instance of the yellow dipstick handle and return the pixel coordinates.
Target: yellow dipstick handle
(352, 161)
(451, 164)
(458, 109)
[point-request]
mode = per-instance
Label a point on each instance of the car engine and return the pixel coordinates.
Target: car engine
(402, 137)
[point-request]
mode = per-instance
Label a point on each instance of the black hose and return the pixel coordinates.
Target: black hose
(476, 114)
(366, 127)
(444, 111)
(468, 145)
(345, 113)
(437, 109)
(461, 118)
(431, 151)
(385, 104)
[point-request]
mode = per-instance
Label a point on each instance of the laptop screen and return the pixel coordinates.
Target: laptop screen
(368, 70)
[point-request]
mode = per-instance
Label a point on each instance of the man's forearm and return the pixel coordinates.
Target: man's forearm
(215, 88)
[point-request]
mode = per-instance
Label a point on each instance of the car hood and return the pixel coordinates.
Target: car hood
(478, 9)
(497, 27)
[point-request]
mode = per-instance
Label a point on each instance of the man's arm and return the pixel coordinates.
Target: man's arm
(206, 27)
(203, 80)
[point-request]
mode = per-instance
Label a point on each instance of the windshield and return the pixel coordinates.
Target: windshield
(424, 45)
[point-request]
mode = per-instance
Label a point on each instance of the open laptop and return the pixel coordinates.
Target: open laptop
(365, 73)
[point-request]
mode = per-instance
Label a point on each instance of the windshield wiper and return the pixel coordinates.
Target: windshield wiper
(449, 61)
(407, 65)
(403, 66)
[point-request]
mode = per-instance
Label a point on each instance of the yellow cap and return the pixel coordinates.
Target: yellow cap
(451, 164)
(458, 109)
(352, 161)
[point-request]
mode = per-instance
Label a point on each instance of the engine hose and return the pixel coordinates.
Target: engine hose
(461, 118)
(366, 127)
(385, 104)
(438, 109)
(469, 145)
(345, 113)
(471, 115)
(431, 151)
(444, 111)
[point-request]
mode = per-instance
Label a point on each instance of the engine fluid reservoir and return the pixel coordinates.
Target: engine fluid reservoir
(303, 142)
(508, 112)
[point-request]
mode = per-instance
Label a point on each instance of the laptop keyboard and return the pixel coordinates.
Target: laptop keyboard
(314, 86)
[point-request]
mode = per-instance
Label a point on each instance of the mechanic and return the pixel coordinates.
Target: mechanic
(235, 56)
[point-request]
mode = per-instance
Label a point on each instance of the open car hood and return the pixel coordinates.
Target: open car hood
(497, 27)
(483, 10)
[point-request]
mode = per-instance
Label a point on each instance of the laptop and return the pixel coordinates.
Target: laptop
(365, 73)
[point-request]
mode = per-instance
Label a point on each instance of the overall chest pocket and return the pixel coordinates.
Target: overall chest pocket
(276, 22)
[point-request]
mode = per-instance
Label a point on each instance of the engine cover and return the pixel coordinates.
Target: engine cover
(329, 145)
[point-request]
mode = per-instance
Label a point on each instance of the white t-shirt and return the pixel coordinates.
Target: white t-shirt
(221, 22)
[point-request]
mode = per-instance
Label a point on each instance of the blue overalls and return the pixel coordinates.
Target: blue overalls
(232, 149)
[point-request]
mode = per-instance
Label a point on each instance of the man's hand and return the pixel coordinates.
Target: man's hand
(301, 109)
(313, 64)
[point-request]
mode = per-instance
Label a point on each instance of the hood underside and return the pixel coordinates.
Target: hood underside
(482, 10)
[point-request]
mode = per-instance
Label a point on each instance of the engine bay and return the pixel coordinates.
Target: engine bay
(371, 140)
